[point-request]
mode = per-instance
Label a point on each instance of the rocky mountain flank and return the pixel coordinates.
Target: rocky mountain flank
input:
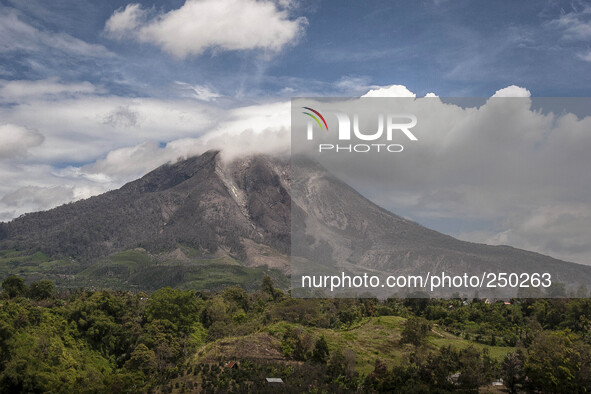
(242, 209)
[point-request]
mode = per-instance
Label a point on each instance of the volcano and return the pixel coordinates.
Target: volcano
(205, 222)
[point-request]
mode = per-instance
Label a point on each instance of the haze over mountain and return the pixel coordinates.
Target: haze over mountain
(202, 222)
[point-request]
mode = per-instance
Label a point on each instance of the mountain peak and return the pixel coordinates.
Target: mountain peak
(171, 174)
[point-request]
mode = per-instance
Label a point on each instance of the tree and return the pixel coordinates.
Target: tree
(6, 332)
(237, 295)
(14, 286)
(558, 363)
(320, 352)
(342, 363)
(41, 290)
(177, 306)
(215, 310)
(268, 287)
(380, 371)
(512, 370)
(142, 359)
(297, 343)
(415, 331)
(475, 368)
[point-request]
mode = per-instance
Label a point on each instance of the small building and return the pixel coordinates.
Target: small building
(231, 364)
(274, 381)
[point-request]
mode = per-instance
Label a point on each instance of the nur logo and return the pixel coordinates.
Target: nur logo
(390, 122)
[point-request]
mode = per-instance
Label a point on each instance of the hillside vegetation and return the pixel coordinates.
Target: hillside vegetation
(175, 340)
(137, 269)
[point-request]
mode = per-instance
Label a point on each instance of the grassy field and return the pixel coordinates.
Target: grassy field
(372, 338)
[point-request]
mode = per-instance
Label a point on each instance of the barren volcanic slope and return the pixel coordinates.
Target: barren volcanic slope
(343, 231)
(346, 232)
(204, 224)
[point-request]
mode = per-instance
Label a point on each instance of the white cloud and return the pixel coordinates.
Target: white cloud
(521, 170)
(209, 24)
(585, 56)
(512, 91)
(38, 197)
(574, 25)
(18, 35)
(125, 163)
(507, 166)
(200, 92)
(559, 230)
(28, 187)
(16, 140)
(122, 139)
(390, 91)
(83, 129)
(352, 85)
(255, 129)
(126, 21)
(393, 91)
(122, 116)
(19, 90)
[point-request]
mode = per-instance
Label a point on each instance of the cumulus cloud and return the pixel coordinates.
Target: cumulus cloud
(390, 91)
(209, 24)
(16, 140)
(393, 91)
(125, 21)
(512, 91)
(511, 171)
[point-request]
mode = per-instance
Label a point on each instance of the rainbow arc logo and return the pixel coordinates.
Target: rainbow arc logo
(315, 118)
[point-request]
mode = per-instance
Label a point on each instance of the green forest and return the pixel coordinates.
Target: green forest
(175, 341)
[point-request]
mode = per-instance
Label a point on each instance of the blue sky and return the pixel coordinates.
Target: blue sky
(454, 48)
(94, 94)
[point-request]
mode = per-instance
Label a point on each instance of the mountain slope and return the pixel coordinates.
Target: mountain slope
(341, 230)
(202, 216)
(192, 202)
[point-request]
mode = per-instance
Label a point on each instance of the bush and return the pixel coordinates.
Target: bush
(415, 331)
